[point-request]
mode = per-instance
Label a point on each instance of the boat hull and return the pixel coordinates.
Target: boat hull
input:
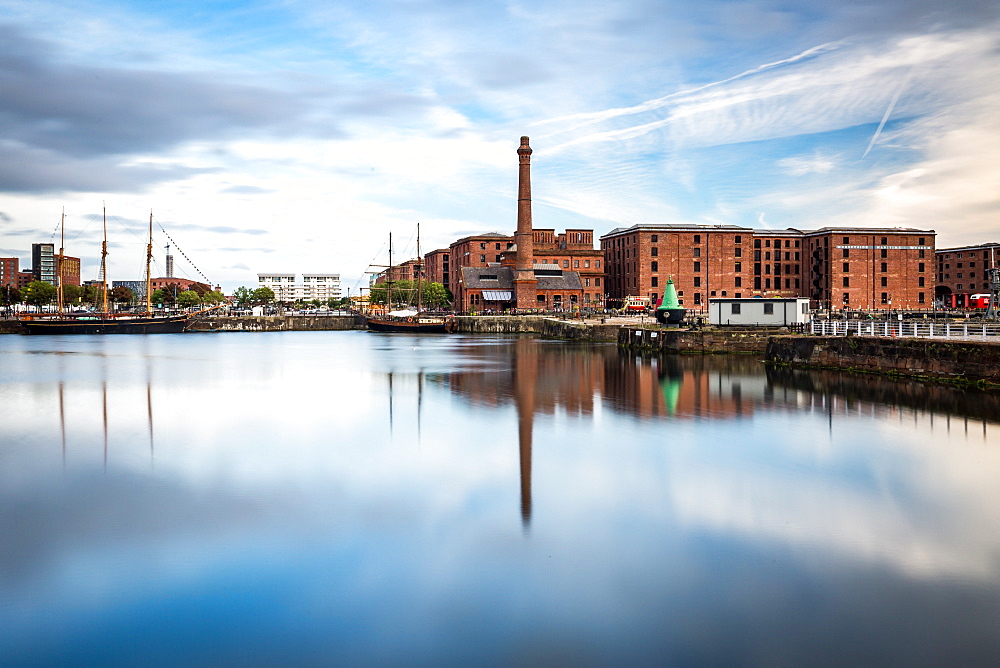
(416, 325)
(168, 325)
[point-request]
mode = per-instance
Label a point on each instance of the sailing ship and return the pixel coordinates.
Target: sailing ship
(409, 320)
(105, 322)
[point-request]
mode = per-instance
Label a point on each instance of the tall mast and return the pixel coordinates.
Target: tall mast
(149, 260)
(59, 262)
(104, 265)
(420, 266)
(388, 280)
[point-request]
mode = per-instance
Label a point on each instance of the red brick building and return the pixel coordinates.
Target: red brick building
(70, 270)
(514, 277)
(961, 272)
(9, 269)
(437, 266)
(858, 268)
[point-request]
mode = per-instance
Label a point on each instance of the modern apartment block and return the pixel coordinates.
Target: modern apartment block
(961, 272)
(312, 286)
(857, 268)
(43, 262)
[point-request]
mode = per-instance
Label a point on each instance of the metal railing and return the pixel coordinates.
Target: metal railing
(904, 328)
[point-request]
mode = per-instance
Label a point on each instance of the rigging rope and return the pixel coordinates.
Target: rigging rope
(184, 254)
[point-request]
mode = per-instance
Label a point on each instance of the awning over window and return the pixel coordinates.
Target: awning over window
(497, 295)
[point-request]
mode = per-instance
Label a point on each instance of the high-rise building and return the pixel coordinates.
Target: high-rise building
(43, 262)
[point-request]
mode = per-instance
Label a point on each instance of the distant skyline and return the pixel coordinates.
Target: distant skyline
(294, 135)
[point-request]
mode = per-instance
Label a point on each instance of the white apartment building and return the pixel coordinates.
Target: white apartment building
(312, 286)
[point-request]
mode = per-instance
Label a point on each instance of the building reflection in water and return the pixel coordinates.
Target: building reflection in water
(540, 377)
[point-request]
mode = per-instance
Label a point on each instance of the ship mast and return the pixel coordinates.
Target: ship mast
(149, 259)
(420, 267)
(59, 263)
(388, 280)
(104, 265)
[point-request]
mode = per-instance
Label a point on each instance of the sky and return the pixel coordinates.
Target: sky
(295, 135)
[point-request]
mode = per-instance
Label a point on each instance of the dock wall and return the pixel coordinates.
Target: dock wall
(957, 361)
(551, 328)
(278, 323)
(697, 342)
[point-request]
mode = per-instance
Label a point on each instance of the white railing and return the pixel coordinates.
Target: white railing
(907, 328)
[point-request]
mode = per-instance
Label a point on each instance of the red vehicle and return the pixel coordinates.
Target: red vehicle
(981, 300)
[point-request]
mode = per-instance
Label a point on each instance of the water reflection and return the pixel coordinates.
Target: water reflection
(358, 498)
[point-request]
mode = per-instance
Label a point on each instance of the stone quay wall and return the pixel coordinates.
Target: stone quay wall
(550, 328)
(964, 362)
(696, 341)
(277, 323)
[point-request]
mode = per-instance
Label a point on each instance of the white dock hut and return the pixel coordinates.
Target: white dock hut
(759, 311)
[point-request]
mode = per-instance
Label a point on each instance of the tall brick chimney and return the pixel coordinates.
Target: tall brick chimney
(525, 282)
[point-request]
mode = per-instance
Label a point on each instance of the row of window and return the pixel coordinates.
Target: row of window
(883, 281)
(885, 298)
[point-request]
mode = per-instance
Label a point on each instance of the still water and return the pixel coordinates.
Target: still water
(334, 497)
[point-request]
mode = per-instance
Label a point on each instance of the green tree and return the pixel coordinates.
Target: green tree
(213, 297)
(38, 293)
(163, 296)
(243, 296)
(435, 295)
(262, 295)
(72, 294)
(121, 295)
(188, 298)
(9, 295)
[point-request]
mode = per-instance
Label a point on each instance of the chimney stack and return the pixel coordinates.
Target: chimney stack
(525, 282)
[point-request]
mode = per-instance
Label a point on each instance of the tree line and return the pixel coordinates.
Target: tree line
(41, 293)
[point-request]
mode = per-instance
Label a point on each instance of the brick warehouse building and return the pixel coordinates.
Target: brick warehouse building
(514, 278)
(961, 272)
(854, 268)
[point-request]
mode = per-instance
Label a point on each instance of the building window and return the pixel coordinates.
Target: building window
(654, 251)
(654, 266)
(597, 264)
(846, 252)
(885, 297)
(565, 264)
(697, 298)
(920, 282)
(576, 264)
(654, 238)
(586, 264)
(597, 282)
(739, 238)
(767, 255)
(482, 258)
(696, 252)
(697, 266)
(697, 238)
(756, 243)
(697, 281)
(883, 253)
(768, 309)
(920, 298)
(920, 242)
(482, 246)
(654, 281)
(847, 240)
(736, 309)
(738, 253)
(847, 298)
(885, 240)
(847, 267)
(847, 281)
(738, 282)
(920, 267)
(738, 267)
(885, 281)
